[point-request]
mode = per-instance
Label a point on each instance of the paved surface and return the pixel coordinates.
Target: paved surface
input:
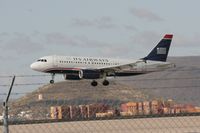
(149, 125)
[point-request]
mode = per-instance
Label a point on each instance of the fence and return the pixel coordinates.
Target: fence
(152, 103)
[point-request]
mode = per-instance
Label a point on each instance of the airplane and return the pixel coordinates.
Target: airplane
(93, 68)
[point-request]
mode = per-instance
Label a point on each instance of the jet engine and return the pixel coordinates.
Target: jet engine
(74, 75)
(82, 74)
(92, 74)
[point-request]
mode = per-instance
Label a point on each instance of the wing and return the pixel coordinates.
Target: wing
(113, 69)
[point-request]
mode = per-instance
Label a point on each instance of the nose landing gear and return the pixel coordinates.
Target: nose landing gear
(52, 78)
(51, 82)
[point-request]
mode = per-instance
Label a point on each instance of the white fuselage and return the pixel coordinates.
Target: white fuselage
(73, 63)
(52, 64)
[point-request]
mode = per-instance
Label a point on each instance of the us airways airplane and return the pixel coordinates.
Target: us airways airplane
(77, 68)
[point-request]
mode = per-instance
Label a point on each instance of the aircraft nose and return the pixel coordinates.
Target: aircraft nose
(33, 66)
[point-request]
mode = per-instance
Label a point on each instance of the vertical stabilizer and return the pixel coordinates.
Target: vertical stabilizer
(160, 52)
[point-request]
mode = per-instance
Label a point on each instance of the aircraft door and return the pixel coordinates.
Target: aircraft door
(55, 61)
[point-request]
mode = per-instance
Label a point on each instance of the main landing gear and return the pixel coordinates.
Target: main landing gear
(95, 83)
(105, 82)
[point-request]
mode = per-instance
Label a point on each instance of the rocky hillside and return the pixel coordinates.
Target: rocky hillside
(81, 92)
(74, 93)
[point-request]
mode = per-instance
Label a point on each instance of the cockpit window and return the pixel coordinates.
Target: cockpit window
(42, 60)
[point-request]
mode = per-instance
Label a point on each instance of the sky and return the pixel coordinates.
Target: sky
(30, 29)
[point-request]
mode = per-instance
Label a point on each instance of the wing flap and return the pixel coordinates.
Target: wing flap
(115, 68)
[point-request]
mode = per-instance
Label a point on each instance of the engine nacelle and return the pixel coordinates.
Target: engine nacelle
(92, 74)
(73, 75)
(82, 74)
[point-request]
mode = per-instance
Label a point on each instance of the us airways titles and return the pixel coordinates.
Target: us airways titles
(90, 59)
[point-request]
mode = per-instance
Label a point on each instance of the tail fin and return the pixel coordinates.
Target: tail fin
(160, 52)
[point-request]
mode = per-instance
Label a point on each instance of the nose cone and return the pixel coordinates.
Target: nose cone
(34, 66)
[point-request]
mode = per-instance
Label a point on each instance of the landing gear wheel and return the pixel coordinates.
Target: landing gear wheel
(105, 82)
(52, 78)
(51, 81)
(94, 83)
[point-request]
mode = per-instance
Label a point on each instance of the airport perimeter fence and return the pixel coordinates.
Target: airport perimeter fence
(163, 103)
